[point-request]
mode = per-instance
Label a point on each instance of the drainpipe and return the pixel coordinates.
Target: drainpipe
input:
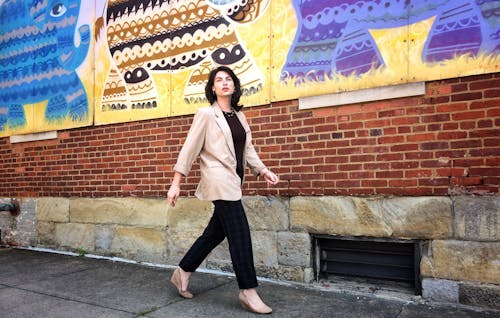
(13, 207)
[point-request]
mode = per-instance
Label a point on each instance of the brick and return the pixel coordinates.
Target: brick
(364, 116)
(466, 96)
(349, 109)
(435, 118)
(434, 145)
(459, 87)
(350, 125)
(375, 106)
(493, 112)
(484, 133)
(468, 115)
(391, 113)
(377, 123)
(487, 123)
(421, 137)
(451, 135)
(362, 158)
(484, 171)
(375, 183)
(390, 157)
(407, 120)
(466, 181)
(492, 93)
(404, 165)
(391, 139)
(347, 183)
(436, 100)
(363, 141)
(402, 183)
(480, 104)
(389, 174)
(493, 142)
(469, 143)
(467, 125)
(454, 107)
(438, 89)
(323, 112)
(404, 147)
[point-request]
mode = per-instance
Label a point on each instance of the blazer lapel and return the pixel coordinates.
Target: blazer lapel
(224, 127)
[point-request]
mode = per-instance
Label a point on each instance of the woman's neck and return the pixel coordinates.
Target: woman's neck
(224, 103)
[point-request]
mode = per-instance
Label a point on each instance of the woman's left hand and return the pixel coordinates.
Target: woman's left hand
(270, 177)
(173, 194)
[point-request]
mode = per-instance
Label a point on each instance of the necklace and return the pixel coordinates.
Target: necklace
(229, 114)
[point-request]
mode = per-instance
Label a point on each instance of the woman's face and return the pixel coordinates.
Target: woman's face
(223, 84)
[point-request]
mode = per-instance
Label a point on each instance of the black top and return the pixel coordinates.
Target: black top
(239, 139)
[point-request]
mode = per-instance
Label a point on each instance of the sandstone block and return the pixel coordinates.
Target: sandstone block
(408, 217)
(477, 218)
(72, 235)
(52, 209)
(266, 213)
(142, 244)
(104, 238)
(46, 233)
(462, 261)
(189, 214)
(129, 211)
(265, 248)
(294, 249)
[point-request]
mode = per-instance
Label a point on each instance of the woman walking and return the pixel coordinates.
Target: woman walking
(221, 137)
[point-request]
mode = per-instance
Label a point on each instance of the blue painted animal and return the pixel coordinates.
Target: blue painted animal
(38, 58)
(333, 36)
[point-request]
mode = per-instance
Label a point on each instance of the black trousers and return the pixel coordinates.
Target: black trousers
(229, 220)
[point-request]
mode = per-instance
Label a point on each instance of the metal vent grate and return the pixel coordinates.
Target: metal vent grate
(383, 260)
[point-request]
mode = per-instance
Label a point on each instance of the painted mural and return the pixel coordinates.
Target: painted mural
(334, 36)
(348, 45)
(39, 86)
(147, 38)
(68, 64)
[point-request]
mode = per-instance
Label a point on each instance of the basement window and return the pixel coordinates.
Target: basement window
(363, 260)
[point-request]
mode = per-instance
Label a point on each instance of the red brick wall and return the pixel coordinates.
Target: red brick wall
(447, 141)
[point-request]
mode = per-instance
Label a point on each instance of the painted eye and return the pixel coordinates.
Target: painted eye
(58, 10)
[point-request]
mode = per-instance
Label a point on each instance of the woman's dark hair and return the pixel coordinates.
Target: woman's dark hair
(235, 98)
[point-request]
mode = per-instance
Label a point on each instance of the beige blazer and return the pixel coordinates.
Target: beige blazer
(210, 138)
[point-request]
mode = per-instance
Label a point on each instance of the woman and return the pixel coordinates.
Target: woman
(221, 137)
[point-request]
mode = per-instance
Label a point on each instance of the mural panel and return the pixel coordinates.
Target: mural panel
(45, 69)
(162, 51)
(152, 57)
(349, 45)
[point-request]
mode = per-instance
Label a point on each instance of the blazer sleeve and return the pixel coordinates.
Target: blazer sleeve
(193, 144)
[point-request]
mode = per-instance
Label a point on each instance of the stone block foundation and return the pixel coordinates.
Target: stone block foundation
(460, 260)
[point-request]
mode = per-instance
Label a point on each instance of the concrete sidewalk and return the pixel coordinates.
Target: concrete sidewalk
(50, 285)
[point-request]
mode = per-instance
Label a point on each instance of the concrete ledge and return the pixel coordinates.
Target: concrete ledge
(363, 95)
(33, 137)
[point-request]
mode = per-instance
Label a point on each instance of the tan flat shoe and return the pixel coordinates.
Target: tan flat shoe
(176, 280)
(265, 309)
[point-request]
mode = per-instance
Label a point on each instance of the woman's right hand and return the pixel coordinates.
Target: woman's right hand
(173, 194)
